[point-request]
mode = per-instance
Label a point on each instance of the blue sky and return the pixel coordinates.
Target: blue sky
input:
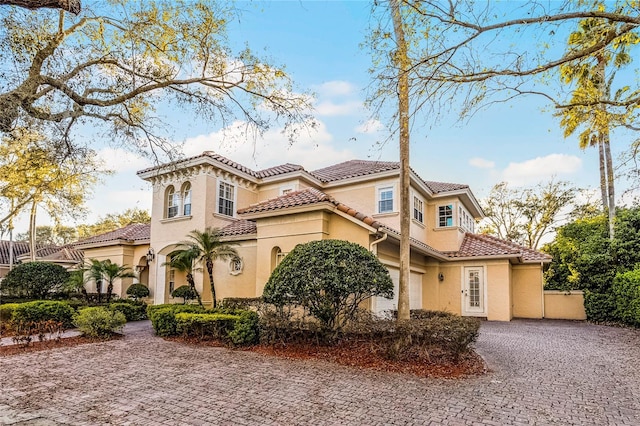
(320, 44)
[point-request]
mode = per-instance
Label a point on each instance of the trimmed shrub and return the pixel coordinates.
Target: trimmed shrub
(35, 280)
(163, 317)
(99, 322)
(44, 310)
(599, 307)
(245, 329)
(6, 313)
(185, 292)
(626, 293)
(131, 311)
(205, 326)
(138, 291)
(328, 278)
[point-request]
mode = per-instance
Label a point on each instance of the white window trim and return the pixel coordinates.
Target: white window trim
(453, 215)
(235, 197)
(379, 190)
(413, 209)
(234, 271)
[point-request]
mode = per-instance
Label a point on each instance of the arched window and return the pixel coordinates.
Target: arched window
(186, 199)
(172, 202)
(276, 257)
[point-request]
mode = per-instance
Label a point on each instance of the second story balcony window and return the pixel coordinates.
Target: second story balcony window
(226, 195)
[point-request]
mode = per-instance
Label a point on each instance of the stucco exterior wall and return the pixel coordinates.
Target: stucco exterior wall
(443, 238)
(124, 255)
(564, 305)
(499, 305)
(527, 291)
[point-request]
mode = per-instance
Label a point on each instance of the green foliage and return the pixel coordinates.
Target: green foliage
(626, 245)
(114, 221)
(626, 293)
(35, 280)
(97, 321)
(6, 313)
(163, 317)
(329, 278)
(599, 307)
(131, 311)
(45, 330)
(44, 310)
(208, 325)
(138, 291)
(245, 329)
(184, 291)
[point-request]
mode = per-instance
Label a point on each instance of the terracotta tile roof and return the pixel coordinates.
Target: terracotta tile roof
(413, 241)
(65, 254)
(239, 227)
(43, 252)
(132, 232)
(19, 248)
(305, 197)
(353, 168)
(437, 187)
(271, 171)
(476, 245)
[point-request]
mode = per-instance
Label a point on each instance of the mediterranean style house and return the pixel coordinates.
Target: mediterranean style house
(267, 213)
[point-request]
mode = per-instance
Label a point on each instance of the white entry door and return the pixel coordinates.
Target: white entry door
(473, 292)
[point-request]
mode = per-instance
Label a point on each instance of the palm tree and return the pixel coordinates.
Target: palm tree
(94, 268)
(112, 271)
(208, 247)
(182, 260)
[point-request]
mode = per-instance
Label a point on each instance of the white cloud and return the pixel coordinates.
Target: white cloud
(541, 168)
(482, 163)
(336, 88)
(328, 108)
(313, 148)
(120, 160)
(369, 127)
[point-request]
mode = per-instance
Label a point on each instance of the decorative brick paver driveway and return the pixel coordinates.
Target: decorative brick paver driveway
(543, 372)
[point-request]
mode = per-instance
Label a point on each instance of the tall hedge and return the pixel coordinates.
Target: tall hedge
(330, 278)
(35, 280)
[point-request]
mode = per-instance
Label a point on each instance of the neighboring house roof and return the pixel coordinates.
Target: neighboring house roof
(476, 245)
(135, 232)
(239, 227)
(64, 254)
(19, 248)
(45, 253)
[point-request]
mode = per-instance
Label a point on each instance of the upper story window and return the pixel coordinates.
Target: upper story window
(465, 220)
(186, 199)
(445, 215)
(172, 201)
(385, 199)
(226, 195)
(418, 209)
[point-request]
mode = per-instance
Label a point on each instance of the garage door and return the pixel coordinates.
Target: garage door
(381, 304)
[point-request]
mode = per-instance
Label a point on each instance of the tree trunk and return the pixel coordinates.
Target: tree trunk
(109, 291)
(611, 200)
(192, 284)
(402, 62)
(603, 139)
(32, 231)
(73, 6)
(209, 263)
(603, 174)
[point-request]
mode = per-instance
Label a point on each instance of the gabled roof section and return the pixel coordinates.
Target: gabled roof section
(307, 197)
(353, 168)
(65, 254)
(476, 245)
(132, 233)
(239, 227)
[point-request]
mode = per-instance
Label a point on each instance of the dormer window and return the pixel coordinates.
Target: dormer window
(445, 215)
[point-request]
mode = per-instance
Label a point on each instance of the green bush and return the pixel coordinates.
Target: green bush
(35, 280)
(599, 307)
(131, 311)
(626, 292)
(205, 326)
(99, 322)
(241, 302)
(163, 317)
(6, 313)
(185, 292)
(328, 278)
(138, 291)
(245, 329)
(44, 310)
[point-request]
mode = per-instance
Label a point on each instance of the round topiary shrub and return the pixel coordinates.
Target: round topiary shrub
(138, 291)
(330, 278)
(35, 280)
(184, 291)
(99, 322)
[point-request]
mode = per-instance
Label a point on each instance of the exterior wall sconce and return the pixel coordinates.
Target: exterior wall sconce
(150, 255)
(440, 277)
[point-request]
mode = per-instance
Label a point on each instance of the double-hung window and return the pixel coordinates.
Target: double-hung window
(226, 194)
(172, 202)
(418, 209)
(385, 199)
(445, 215)
(186, 199)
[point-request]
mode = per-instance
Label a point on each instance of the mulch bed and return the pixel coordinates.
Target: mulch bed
(360, 356)
(36, 346)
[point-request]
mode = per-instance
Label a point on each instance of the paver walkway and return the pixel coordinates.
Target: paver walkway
(544, 372)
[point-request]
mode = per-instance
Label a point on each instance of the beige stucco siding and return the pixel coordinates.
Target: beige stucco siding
(564, 305)
(527, 291)
(498, 289)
